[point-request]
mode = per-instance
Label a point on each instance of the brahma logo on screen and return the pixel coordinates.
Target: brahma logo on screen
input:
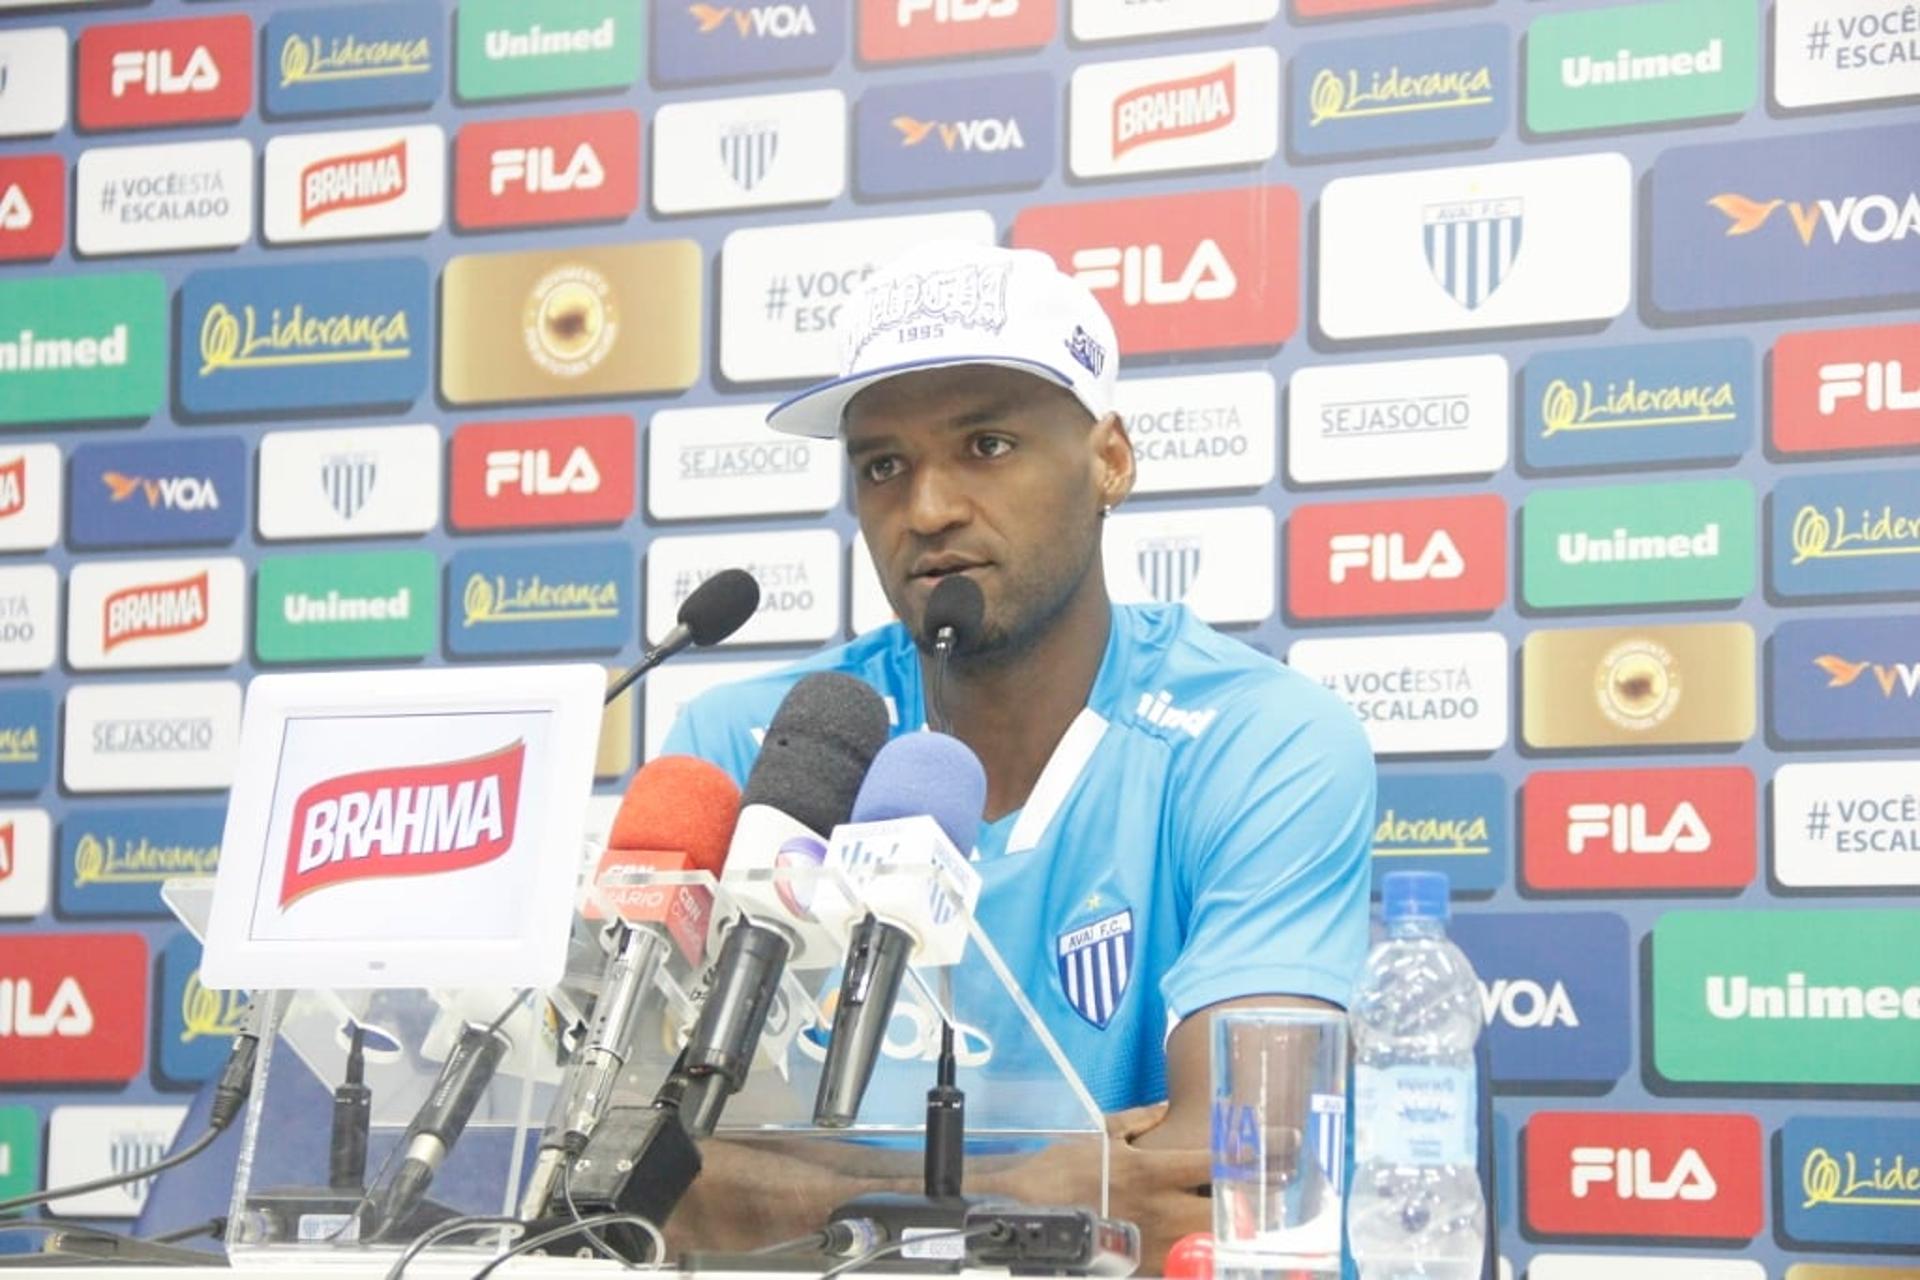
(196, 195)
(178, 736)
(350, 483)
(1193, 272)
(29, 617)
(1624, 686)
(750, 153)
(1127, 19)
(1847, 534)
(1804, 997)
(1555, 992)
(354, 185)
(33, 81)
(1641, 64)
(1397, 419)
(1670, 1176)
(332, 608)
(358, 57)
(1417, 694)
(1647, 403)
(427, 819)
(899, 30)
(1827, 52)
(1624, 830)
(1453, 823)
(542, 473)
(1851, 1180)
(1847, 390)
(136, 75)
(1787, 223)
(82, 348)
(30, 493)
(550, 170)
(1841, 681)
(1492, 246)
(94, 1143)
(114, 860)
(1200, 431)
(922, 137)
(726, 461)
(195, 1026)
(26, 740)
(505, 49)
(156, 613)
(799, 576)
(340, 334)
(1159, 115)
(1852, 825)
(1638, 544)
(1450, 87)
(26, 865)
(73, 1008)
(33, 207)
(757, 39)
(1217, 562)
(576, 598)
(158, 493)
(1382, 559)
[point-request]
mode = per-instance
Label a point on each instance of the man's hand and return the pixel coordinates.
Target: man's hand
(1158, 1177)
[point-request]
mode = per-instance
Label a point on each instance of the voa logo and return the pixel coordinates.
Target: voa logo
(1629, 1173)
(1624, 828)
(537, 170)
(1140, 273)
(152, 70)
(986, 134)
(1383, 557)
(170, 493)
(1525, 1004)
(778, 21)
(1870, 219)
(955, 10)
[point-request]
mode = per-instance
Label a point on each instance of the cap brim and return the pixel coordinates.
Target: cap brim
(816, 411)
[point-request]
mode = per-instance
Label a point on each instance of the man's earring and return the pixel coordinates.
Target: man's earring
(1106, 509)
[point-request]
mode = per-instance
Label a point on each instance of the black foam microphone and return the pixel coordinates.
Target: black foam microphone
(713, 611)
(956, 611)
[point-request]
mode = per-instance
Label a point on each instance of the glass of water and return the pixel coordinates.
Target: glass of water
(1279, 1141)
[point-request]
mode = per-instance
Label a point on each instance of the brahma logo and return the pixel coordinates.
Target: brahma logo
(1673, 1176)
(29, 497)
(1650, 402)
(1171, 109)
(152, 493)
(1846, 390)
(33, 207)
(354, 58)
(412, 820)
(1186, 112)
(155, 613)
(155, 609)
(73, 1008)
(1368, 559)
(1555, 992)
(353, 181)
(1611, 830)
(555, 169)
(898, 30)
(547, 472)
(370, 182)
(13, 487)
(141, 74)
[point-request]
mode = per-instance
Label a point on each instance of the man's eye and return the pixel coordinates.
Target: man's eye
(878, 469)
(992, 446)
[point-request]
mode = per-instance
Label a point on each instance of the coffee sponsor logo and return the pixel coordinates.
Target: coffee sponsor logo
(1638, 544)
(554, 169)
(33, 81)
(782, 288)
(544, 472)
(1641, 64)
(82, 348)
(29, 618)
(30, 496)
(726, 461)
(85, 1143)
(355, 185)
(349, 483)
(1156, 115)
(899, 30)
(505, 50)
(1786, 997)
(577, 598)
(1218, 562)
(1125, 19)
(1377, 559)
(1827, 52)
(179, 736)
(73, 1008)
(113, 861)
(1417, 694)
(195, 195)
(976, 134)
(155, 613)
(1671, 1176)
(180, 492)
(26, 865)
(1851, 681)
(1453, 823)
(1435, 88)
(26, 740)
(1847, 390)
(1644, 404)
(1401, 418)
(137, 75)
(196, 1025)
(799, 576)
(1617, 686)
(741, 153)
(33, 207)
(702, 42)
(1851, 1180)
(359, 57)
(1554, 989)
(382, 604)
(1615, 830)
(1846, 534)
(1851, 825)
(591, 321)
(1211, 269)
(1200, 432)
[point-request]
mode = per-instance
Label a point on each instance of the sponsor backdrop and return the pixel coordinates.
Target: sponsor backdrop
(1545, 378)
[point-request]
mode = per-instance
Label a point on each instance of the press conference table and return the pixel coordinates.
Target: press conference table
(425, 1268)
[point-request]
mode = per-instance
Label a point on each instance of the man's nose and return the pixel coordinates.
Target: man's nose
(937, 501)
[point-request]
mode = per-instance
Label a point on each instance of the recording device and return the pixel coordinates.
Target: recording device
(713, 611)
(1051, 1241)
(352, 1117)
(442, 1118)
(955, 613)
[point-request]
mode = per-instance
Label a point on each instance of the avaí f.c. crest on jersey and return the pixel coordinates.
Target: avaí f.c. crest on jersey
(1096, 963)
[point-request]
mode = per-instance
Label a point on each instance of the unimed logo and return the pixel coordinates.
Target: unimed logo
(554, 169)
(1612, 830)
(191, 71)
(73, 1008)
(898, 30)
(1668, 1175)
(546, 472)
(1368, 559)
(1847, 390)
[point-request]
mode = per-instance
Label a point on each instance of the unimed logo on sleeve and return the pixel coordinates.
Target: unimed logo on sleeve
(1672, 1175)
(73, 1008)
(190, 71)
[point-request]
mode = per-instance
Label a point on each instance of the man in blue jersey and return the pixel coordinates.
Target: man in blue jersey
(1175, 823)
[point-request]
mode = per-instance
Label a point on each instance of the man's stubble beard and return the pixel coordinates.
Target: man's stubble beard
(1026, 612)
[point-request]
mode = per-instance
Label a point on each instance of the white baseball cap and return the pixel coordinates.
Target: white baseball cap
(948, 303)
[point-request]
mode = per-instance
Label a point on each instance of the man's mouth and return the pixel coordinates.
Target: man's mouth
(936, 568)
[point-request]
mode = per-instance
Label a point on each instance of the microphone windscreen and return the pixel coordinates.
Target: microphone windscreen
(956, 602)
(823, 736)
(931, 773)
(720, 606)
(678, 804)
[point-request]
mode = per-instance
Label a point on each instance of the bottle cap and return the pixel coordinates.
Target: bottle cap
(1413, 895)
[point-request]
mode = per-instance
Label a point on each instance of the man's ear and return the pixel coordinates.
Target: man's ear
(1112, 460)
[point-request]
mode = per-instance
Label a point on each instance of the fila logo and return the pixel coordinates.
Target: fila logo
(65, 1013)
(353, 181)
(152, 70)
(955, 10)
(1624, 829)
(1628, 1171)
(153, 609)
(983, 135)
(1384, 557)
(1873, 219)
(1877, 380)
(1158, 709)
(534, 169)
(1524, 1003)
(531, 472)
(781, 21)
(15, 213)
(1139, 272)
(174, 493)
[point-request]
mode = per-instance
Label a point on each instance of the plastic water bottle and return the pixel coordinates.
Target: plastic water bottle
(1416, 1208)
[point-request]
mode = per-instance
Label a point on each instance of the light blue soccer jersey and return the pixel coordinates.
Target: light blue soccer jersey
(1201, 832)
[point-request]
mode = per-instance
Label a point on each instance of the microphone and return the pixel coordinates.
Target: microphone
(441, 1119)
(677, 815)
(955, 613)
(920, 806)
(713, 611)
